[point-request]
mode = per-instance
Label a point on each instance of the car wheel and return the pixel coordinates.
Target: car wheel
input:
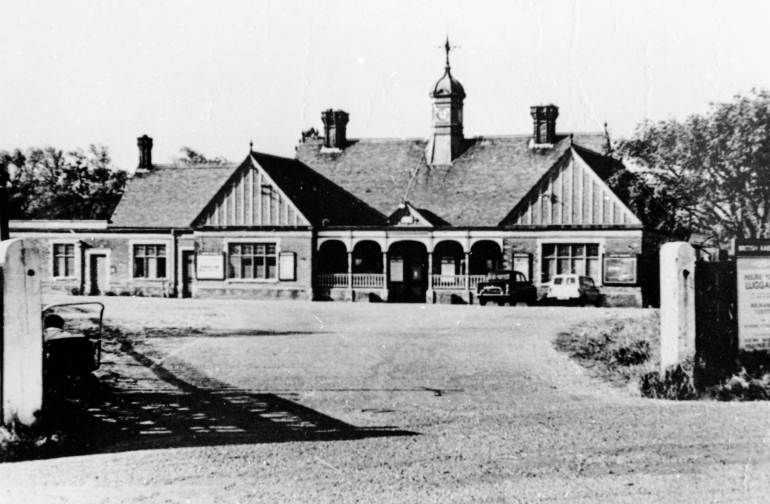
(482, 301)
(598, 301)
(581, 301)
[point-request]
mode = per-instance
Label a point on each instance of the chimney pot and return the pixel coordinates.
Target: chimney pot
(544, 123)
(145, 152)
(335, 128)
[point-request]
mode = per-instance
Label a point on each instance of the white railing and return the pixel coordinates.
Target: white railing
(333, 280)
(370, 280)
(449, 282)
(475, 279)
(360, 280)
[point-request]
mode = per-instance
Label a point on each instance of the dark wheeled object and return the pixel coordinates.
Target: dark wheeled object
(68, 359)
(506, 286)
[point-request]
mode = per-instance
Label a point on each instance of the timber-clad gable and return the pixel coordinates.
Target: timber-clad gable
(251, 198)
(572, 193)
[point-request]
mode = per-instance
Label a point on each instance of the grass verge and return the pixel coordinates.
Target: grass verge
(626, 353)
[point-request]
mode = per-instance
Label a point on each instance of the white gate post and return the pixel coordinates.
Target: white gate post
(677, 304)
(21, 368)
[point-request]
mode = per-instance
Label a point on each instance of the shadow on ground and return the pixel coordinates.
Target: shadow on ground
(185, 408)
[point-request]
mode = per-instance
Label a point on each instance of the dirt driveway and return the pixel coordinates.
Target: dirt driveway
(238, 401)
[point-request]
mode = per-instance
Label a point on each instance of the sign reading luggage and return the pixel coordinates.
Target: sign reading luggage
(210, 267)
(753, 270)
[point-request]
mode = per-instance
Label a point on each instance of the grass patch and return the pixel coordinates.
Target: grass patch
(617, 350)
(626, 352)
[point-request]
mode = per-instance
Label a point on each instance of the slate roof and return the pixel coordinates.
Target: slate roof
(477, 190)
(319, 199)
(169, 196)
(174, 196)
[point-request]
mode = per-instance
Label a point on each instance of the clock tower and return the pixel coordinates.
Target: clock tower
(446, 141)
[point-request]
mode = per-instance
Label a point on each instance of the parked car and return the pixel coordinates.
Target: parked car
(574, 288)
(69, 356)
(506, 286)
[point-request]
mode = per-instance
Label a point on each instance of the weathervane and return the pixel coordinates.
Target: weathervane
(448, 48)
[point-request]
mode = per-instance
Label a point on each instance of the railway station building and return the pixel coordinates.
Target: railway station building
(392, 220)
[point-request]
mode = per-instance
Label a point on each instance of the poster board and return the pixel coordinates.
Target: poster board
(753, 271)
(619, 269)
(287, 266)
(210, 267)
(396, 269)
(523, 264)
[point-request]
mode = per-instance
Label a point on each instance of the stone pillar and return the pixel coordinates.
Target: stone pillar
(677, 304)
(429, 294)
(21, 341)
(350, 276)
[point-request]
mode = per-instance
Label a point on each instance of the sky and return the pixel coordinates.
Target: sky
(214, 76)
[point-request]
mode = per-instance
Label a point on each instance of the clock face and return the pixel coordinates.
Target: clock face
(442, 114)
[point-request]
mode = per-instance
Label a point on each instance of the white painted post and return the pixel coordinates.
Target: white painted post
(677, 304)
(21, 370)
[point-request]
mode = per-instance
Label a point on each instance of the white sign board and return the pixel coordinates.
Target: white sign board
(754, 303)
(396, 270)
(288, 266)
(447, 267)
(210, 267)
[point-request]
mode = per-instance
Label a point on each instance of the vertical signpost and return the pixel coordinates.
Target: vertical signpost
(753, 270)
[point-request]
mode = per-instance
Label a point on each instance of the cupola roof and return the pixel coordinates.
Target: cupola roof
(447, 85)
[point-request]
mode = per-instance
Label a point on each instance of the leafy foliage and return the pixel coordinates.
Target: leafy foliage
(191, 157)
(49, 184)
(711, 172)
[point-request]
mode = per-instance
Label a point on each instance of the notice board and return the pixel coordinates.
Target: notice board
(753, 270)
(210, 267)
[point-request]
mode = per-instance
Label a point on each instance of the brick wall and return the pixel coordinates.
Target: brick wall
(300, 288)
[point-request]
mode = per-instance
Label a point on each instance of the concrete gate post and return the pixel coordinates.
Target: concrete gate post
(677, 304)
(21, 368)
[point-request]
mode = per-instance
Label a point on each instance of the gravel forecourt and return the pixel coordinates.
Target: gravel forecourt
(286, 401)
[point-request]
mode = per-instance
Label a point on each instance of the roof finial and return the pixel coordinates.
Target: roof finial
(571, 139)
(251, 145)
(448, 48)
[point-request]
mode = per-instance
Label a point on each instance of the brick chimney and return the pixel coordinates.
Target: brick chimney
(544, 124)
(335, 128)
(145, 152)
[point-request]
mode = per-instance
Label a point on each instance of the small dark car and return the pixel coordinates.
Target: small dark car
(506, 286)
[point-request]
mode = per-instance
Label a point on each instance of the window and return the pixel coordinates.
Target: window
(252, 261)
(579, 259)
(63, 260)
(149, 261)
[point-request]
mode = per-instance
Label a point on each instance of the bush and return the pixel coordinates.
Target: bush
(21, 442)
(110, 293)
(676, 384)
(742, 387)
(619, 350)
(124, 293)
(75, 291)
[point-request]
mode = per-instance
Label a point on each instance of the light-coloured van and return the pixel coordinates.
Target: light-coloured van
(574, 288)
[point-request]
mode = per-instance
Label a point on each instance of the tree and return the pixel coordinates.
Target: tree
(49, 184)
(191, 157)
(712, 170)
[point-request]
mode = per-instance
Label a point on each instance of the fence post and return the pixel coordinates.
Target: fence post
(677, 304)
(21, 369)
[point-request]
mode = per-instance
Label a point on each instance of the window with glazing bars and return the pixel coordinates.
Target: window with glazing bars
(566, 258)
(252, 261)
(149, 261)
(63, 260)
